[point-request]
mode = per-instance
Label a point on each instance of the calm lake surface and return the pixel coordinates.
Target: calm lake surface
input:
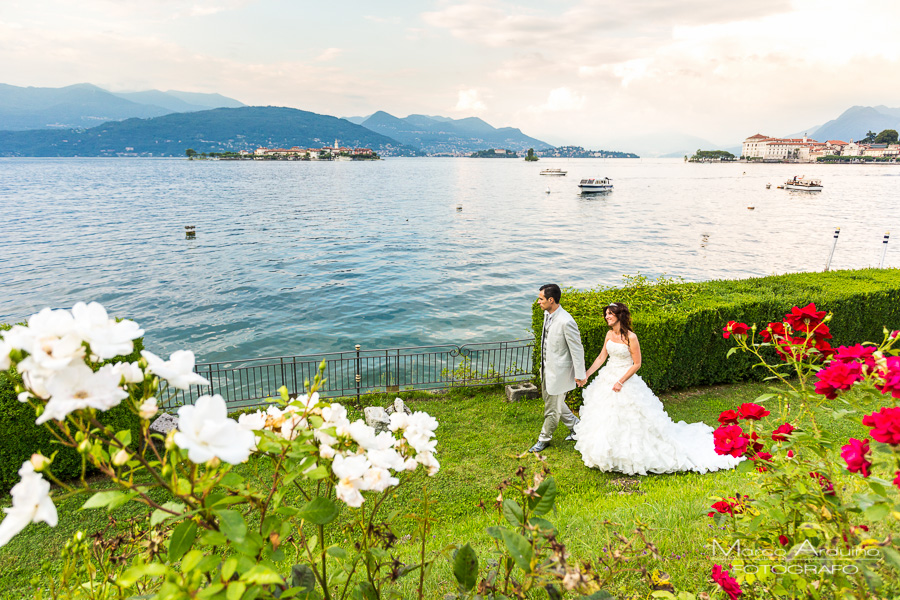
(307, 257)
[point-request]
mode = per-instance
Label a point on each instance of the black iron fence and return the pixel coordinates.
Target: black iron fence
(357, 372)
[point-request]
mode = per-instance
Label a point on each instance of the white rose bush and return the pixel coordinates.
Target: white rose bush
(215, 531)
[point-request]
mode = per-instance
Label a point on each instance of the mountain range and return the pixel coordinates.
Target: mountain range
(216, 130)
(855, 122)
(443, 135)
(84, 105)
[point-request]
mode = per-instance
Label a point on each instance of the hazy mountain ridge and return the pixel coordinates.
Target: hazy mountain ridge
(217, 130)
(85, 105)
(443, 135)
(856, 121)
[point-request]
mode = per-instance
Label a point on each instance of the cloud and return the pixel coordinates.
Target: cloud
(469, 101)
(329, 54)
(561, 99)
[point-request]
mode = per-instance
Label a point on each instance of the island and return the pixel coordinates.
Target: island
(494, 153)
(294, 153)
(579, 152)
(711, 156)
(530, 157)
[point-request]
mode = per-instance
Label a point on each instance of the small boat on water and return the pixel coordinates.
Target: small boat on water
(803, 184)
(557, 172)
(589, 186)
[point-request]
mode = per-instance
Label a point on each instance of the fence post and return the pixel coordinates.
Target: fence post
(887, 235)
(837, 232)
(357, 375)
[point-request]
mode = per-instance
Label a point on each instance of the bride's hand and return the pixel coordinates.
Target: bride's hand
(617, 386)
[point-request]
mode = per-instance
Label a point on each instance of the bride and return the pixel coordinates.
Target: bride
(624, 426)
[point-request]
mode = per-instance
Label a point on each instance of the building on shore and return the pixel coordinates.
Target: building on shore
(297, 153)
(769, 149)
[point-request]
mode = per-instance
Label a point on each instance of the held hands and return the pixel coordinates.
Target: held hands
(581, 382)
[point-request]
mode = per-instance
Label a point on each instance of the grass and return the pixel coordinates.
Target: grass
(480, 437)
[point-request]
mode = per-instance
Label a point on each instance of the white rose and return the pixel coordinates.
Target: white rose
(178, 370)
(31, 503)
(206, 432)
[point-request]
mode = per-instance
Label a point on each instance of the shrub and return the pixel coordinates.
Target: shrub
(21, 437)
(680, 324)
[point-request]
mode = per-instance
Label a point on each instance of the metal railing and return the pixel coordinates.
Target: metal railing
(249, 382)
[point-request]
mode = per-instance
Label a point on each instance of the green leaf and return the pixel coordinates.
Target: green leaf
(235, 590)
(319, 472)
(337, 552)
(891, 557)
(365, 591)
(548, 497)
(302, 576)
(465, 567)
(519, 549)
(124, 436)
(232, 525)
(130, 577)
(159, 516)
(496, 532)
(182, 539)
(877, 488)
(544, 526)
(261, 574)
(228, 568)
(513, 512)
(101, 499)
(319, 511)
(191, 560)
(877, 512)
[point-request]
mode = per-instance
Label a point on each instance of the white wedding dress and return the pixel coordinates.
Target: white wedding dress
(629, 431)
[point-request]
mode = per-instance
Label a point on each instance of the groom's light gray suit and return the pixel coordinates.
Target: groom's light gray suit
(562, 362)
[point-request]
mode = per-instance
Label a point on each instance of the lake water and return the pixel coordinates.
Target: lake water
(303, 257)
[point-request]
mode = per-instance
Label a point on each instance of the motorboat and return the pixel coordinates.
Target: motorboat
(596, 185)
(803, 184)
(557, 172)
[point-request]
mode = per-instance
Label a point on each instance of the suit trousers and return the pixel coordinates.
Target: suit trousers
(555, 409)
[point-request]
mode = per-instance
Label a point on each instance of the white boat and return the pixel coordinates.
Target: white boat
(806, 185)
(596, 185)
(553, 172)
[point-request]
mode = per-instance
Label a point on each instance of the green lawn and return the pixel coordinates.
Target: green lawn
(480, 436)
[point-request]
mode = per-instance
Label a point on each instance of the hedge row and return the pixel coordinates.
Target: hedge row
(21, 437)
(680, 324)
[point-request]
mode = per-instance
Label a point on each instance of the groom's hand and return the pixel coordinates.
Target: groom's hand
(581, 382)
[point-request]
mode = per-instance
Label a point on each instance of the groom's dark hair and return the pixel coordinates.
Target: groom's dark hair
(551, 290)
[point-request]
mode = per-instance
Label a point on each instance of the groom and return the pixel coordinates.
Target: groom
(562, 364)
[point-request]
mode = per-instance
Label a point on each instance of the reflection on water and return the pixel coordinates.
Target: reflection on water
(312, 257)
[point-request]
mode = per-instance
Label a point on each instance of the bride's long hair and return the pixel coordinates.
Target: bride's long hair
(624, 316)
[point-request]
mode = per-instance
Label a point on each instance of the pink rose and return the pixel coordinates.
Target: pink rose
(836, 377)
(891, 377)
(855, 455)
(730, 440)
(885, 425)
(825, 483)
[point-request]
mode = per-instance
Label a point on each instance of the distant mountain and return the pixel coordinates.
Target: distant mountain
(856, 121)
(217, 130)
(443, 135)
(356, 120)
(663, 145)
(84, 105)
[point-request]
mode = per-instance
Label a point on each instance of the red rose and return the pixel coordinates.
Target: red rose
(780, 434)
(723, 507)
(763, 457)
(857, 353)
(728, 417)
(752, 412)
(824, 482)
(725, 581)
(772, 330)
(753, 442)
(805, 319)
(855, 455)
(894, 334)
(891, 376)
(897, 479)
(836, 377)
(783, 540)
(730, 440)
(790, 454)
(885, 425)
(734, 328)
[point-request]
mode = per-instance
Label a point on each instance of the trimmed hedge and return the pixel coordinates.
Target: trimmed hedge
(21, 437)
(680, 324)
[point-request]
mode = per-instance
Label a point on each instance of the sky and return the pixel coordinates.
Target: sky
(583, 72)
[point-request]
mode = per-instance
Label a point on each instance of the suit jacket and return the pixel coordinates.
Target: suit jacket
(562, 353)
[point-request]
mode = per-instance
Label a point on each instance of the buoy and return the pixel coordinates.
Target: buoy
(189, 232)
(547, 191)
(459, 208)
